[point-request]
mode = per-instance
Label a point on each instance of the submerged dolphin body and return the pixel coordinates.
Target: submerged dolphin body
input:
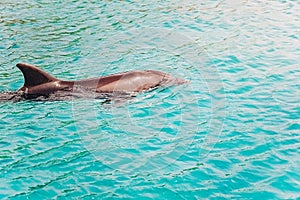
(39, 85)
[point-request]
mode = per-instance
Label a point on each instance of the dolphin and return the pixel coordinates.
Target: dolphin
(39, 85)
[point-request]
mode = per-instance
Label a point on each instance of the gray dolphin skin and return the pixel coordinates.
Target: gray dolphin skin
(40, 85)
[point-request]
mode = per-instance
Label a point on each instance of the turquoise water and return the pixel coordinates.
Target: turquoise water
(232, 133)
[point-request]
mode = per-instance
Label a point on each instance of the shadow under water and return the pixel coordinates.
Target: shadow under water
(18, 96)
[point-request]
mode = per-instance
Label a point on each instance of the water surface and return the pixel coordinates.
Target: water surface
(232, 133)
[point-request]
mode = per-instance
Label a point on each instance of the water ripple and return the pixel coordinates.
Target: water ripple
(231, 133)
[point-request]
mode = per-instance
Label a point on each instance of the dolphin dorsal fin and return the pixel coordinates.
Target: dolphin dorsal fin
(34, 76)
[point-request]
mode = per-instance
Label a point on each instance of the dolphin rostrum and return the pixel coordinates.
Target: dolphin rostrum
(40, 85)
